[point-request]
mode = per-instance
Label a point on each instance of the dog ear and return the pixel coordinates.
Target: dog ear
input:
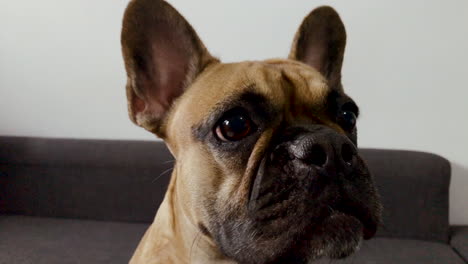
(320, 42)
(162, 55)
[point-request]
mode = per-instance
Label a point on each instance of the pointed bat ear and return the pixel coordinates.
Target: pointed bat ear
(320, 42)
(163, 55)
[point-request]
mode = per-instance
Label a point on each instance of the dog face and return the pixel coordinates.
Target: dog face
(266, 159)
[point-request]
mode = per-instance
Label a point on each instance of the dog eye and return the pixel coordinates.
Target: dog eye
(234, 127)
(348, 120)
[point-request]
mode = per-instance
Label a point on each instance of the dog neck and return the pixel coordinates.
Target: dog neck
(173, 238)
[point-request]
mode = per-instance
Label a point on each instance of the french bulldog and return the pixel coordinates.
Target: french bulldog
(267, 168)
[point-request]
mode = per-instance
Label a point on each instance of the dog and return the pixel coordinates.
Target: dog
(267, 168)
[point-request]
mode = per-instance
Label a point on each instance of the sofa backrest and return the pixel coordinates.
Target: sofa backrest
(122, 180)
(91, 179)
(414, 187)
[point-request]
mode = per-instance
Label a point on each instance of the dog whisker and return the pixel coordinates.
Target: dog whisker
(162, 174)
(331, 209)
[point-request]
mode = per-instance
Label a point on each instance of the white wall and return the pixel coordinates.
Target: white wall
(61, 72)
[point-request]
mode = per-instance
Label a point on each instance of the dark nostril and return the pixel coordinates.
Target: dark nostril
(347, 153)
(317, 156)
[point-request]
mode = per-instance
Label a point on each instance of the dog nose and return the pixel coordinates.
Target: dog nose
(323, 148)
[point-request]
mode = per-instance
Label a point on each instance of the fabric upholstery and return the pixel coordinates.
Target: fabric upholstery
(414, 187)
(400, 251)
(37, 240)
(91, 179)
(126, 180)
(459, 240)
(116, 180)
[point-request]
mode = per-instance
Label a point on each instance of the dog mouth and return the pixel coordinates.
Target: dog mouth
(287, 211)
(319, 216)
(281, 216)
(321, 232)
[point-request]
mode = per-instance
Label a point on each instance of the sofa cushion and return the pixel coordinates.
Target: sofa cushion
(35, 240)
(400, 251)
(38, 240)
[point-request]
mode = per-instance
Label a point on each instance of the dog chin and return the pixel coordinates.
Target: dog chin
(338, 236)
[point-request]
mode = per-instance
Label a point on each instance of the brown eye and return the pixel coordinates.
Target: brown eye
(234, 127)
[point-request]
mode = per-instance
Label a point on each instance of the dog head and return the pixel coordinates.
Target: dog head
(266, 159)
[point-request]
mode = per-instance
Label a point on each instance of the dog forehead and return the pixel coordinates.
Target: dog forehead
(280, 81)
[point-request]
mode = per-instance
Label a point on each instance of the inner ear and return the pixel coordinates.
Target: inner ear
(320, 42)
(163, 55)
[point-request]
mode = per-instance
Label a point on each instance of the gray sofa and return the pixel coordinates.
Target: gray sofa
(90, 201)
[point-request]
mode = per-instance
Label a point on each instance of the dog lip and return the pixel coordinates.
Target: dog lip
(369, 226)
(368, 233)
(272, 210)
